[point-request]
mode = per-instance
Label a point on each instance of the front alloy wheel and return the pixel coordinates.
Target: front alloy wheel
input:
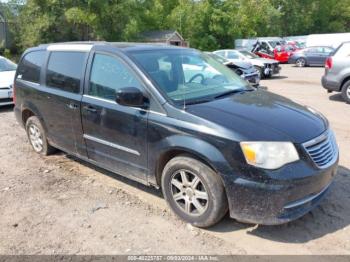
(189, 193)
(194, 191)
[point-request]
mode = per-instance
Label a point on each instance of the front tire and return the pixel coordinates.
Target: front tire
(261, 72)
(346, 92)
(194, 191)
(37, 136)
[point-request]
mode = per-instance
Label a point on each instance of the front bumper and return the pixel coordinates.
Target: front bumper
(278, 201)
(253, 79)
(6, 96)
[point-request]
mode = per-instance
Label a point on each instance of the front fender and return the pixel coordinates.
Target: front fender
(188, 144)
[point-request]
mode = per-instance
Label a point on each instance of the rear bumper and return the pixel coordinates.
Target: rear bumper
(329, 84)
(18, 115)
(278, 201)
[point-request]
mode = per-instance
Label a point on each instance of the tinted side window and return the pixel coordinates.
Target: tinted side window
(30, 66)
(109, 74)
(65, 70)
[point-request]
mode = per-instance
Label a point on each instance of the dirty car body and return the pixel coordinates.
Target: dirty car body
(81, 117)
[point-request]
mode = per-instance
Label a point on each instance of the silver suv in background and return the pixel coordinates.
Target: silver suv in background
(337, 73)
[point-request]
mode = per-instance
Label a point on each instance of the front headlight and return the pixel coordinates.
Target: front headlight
(269, 155)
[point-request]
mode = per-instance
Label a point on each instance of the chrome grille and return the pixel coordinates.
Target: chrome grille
(323, 150)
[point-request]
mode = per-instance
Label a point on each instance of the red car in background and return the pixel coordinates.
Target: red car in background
(274, 50)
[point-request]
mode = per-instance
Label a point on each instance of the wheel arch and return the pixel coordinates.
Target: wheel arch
(193, 147)
(26, 113)
(346, 79)
(29, 110)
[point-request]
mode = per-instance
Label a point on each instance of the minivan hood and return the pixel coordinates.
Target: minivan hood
(262, 116)
(7, 78)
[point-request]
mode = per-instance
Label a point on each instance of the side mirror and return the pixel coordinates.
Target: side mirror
(131, 96)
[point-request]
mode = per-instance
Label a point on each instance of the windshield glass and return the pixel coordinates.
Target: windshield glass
(248, 54)
(218, 58)
(7, 65)
(188, 76)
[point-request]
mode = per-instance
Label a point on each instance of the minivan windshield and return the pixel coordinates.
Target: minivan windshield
(7, 65)
(189, 76)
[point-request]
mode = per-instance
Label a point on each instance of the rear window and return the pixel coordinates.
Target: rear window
(343, 50)
(65, 70)
(30, 66)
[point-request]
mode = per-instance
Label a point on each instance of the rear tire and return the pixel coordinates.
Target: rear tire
(346, 92)
(37, 136)
(194, 191)
(301, 62)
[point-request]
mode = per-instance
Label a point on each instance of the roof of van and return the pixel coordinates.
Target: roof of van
(86, 46)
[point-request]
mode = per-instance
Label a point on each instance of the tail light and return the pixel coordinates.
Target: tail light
(14, 93)
(329, 63)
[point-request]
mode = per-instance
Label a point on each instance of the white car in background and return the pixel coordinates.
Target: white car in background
(7, 75)
(266, 67)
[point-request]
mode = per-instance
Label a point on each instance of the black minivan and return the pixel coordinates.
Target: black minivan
(177, 119)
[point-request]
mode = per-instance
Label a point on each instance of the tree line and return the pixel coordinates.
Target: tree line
(205, 24)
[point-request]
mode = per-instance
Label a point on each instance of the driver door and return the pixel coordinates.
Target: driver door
(115, 135)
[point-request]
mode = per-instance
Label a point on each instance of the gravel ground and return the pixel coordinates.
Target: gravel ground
(61, 205)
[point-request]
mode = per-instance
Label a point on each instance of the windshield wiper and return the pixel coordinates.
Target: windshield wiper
(199, 101)
(231, 92)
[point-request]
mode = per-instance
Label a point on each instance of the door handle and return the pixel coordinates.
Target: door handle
(90, 109)
(72, 106)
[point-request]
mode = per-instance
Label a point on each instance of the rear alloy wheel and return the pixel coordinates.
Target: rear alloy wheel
(37, 136)
(346, 92)
(301, 62)
(194, 191)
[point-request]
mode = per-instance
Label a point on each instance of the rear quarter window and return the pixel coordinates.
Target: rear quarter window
(30, 66)
(65, 70)
(343, 51)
